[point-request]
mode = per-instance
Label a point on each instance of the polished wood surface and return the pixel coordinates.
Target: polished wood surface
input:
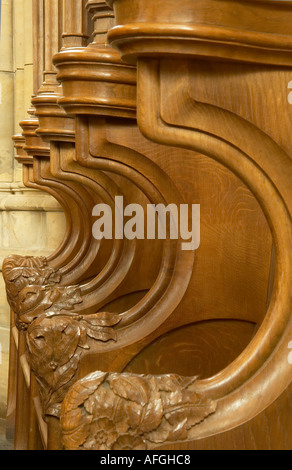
(138, 344)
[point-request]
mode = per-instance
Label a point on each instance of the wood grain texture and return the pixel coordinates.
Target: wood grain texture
(175, 114)
(202, 349)
(271, 430)
(160, 119)
(259, 32)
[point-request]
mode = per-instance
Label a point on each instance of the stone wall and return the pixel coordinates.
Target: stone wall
(31, 222)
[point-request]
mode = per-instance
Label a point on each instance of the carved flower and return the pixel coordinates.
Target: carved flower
(132, 412)
(103, 435)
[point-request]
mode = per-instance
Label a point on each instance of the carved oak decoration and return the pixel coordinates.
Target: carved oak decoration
(108, 411)
(55, 335)
(92, 150)
(55, 346)
(27, 280)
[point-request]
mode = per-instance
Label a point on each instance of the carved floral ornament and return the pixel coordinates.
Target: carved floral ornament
(55, 335)
(103, 411)
(55, 347)
(125, 411)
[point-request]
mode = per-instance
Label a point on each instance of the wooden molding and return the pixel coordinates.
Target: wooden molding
(193, 30)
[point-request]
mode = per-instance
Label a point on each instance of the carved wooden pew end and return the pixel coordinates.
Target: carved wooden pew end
(111, 411)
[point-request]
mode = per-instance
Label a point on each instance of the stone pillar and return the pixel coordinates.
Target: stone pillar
(22, 67)
(6, 92)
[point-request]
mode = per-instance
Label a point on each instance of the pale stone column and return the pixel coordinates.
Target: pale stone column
(6, 92)
(23, 66)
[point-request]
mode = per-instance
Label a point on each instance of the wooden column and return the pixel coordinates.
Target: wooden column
(75, 24)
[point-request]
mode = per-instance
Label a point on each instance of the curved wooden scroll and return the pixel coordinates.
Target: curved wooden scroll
(55, 299)
(113, 86)
(168, 113)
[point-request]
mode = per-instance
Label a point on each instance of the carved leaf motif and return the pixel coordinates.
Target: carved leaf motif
(102, 319)
(161, 434)
(76, 426)
(63, 375)
(20, 272)
(52, 340)
(135, 412)
(56, 334)
(127, 414)
(98, 326)
(15, 273)
(173, 383)
(38, 276)
(102, 403)
(101, 334)
(54, 344)
(153, 414)
(32, 289)
(64, 298)
(56, 395)
(32, 302)
(131, 388)
(76, 438)
(83, 389)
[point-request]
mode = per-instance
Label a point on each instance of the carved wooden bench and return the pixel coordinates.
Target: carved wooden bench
(138, 344)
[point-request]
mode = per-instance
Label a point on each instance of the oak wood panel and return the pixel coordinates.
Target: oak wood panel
(201, 349)
(231, 273)
(170, 111)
